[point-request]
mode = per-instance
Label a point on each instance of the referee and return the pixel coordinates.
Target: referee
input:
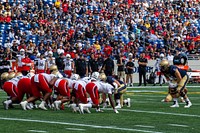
(142, 61)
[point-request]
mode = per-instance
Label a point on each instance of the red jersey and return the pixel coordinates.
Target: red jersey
(26, 64)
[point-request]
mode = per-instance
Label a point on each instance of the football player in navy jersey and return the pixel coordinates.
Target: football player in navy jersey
(173, 73)
(120, 89)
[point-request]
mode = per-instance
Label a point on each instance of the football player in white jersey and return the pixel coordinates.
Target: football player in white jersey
(79, 90)
(159, 75)
(19, 59)
(95, 87)
(69, 65)
(41, 65)
(50, 61)
(40, 83)
(10, 87)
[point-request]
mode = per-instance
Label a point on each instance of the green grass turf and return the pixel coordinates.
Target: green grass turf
(146, 114)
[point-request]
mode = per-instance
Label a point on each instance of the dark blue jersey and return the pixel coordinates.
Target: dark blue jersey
(110, 80)
(172, 70)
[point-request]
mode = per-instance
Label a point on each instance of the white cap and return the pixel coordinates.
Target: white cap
(130, 54)
(22, 50)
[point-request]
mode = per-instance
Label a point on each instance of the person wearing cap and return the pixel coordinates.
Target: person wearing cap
(142, 62)
(129, 70)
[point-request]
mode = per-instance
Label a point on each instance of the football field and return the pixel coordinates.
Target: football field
(147, 114)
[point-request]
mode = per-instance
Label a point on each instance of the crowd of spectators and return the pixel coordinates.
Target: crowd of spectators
(103, 27)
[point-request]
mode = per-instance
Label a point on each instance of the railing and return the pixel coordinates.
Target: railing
(193, 57)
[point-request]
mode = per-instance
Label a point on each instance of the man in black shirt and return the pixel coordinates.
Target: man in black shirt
(108, 66)
(60, 63)
(142, 61)
(81, 67)
(4, 65)
(121, 67)
(129, 70)
(94, 64)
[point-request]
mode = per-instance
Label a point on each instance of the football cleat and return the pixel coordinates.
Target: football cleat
(81, 108)
(105, 105)
(128, 102)
(23, 105)
(6, 105)
(42, 106)
(87, 110)
(174, 106)
(118, 106)
(73, 107)
(28, 106)
(57, 105)
(99, 110)
(188, 105)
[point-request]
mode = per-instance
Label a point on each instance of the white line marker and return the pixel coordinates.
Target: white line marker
(37, 131)
(82, 125)
(177, 125)
(144, 126)
(155, 112)
(75, 129)
(190, 86)
(146, 91)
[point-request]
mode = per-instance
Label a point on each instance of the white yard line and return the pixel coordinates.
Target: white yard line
(144, 126)
(76, 124)
(155, 112)
(196, 86)
(37, 131)
(146, 91)
(177, 125)
(75, 129)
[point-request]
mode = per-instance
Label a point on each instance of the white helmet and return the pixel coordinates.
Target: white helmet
(68, 56)
(22, 51)
(95, 75)
(162, 55)
(75, 77)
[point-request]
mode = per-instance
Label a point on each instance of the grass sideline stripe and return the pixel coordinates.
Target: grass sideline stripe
(177, 125)
(75, 124)
(37, 131)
